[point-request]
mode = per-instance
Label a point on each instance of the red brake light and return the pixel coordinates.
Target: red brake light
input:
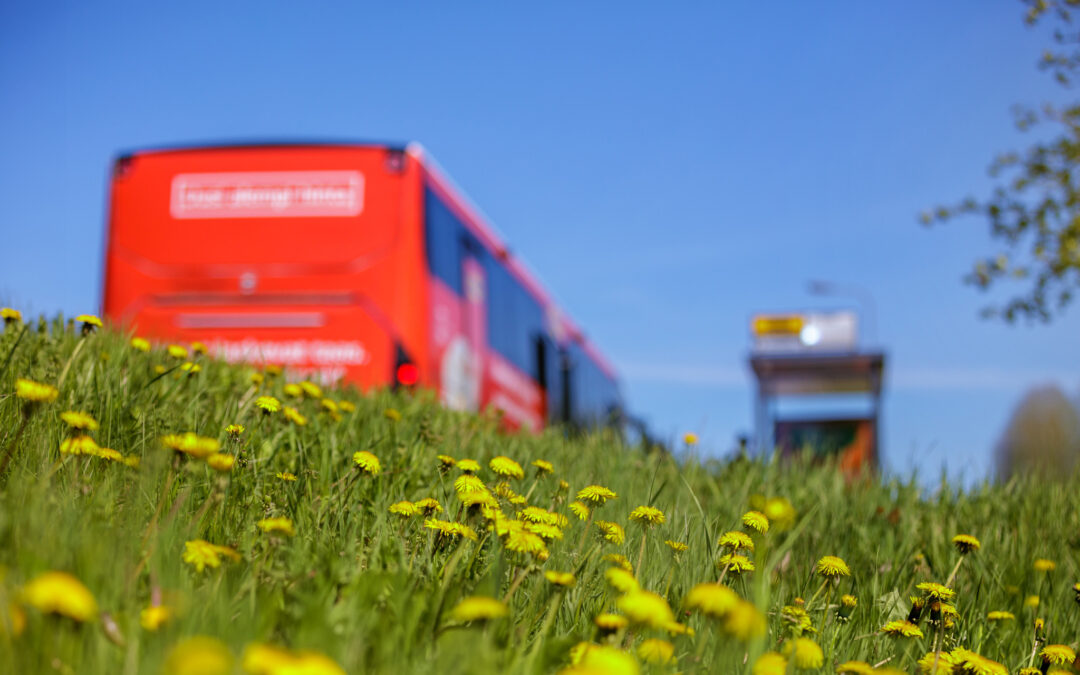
(408, 374)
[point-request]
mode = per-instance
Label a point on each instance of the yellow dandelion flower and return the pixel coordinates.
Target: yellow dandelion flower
(744, 622)
(79, 420)
(798, 616)
(847, 606)
(936, 591)
(279, 525)
(235, 430)
(647, 515)
(392, 414)
(832, 567)
(469, 465)
(597, 494)
(154, 617)
(79, 445)
(503, 525)
(220, 461)
(610, 622)
(478, 608)
(690, 438)
(506, 467)
(451, 529)
(965, 543)
(736, 540)
(711, 599)
(1031, 601)
(257, 378)
(446, 461)
(329, 405)
(201, 554)
(405, 509)
(89, 322)
(10, 315)
(621, 580)
(469, 483)
(612, 532)
(970, 662)
(901, 629)
(657, 652)
(735, 563)
(269, 404)
(780, 512)
(109, 454)
(756, 520)
(131, 461)
(293, 390)
(190, 443)
(479, 498)
(60, 593)
(596, 659)
(543, 466)
(178, 352)
(198, 655)
(580, 510)
(140, 344)
(646, 608)
(545, 531)
(272, 369)
(1032, 670)
(536, 514)
(676, 628)
(563, 485)
(805, 653)
(856, 668)
(294, 416)
(286, 476)
(263, 659)
(1000, 615)
(1044, 565)
(35, 392)
(429, 506)
(190, 368)
(770, 663)
(1058, 655)
(566, 579)
(523, 541)
(946, 663)
(620, 560)
(346, 406)
(504, 490)
(311, 389)
(676, 546)
(368, 462)
(199, 348)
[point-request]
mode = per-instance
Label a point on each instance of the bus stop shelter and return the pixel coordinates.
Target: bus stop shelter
(808, 374)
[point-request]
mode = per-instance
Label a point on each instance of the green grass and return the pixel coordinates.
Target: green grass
(374, 592)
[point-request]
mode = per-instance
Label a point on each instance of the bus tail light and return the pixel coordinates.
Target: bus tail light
(406, 374)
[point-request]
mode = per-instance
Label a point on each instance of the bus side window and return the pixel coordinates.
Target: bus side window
(443, 238)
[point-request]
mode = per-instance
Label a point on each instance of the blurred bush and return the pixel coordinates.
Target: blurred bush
(1043, 436)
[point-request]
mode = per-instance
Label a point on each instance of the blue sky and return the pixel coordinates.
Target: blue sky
(667, 171)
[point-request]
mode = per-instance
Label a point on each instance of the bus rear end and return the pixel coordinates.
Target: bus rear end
(309, 257)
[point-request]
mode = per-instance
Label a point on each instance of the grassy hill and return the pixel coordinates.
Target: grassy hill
(282, 548)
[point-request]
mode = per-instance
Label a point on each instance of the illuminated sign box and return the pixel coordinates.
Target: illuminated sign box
(804, 332)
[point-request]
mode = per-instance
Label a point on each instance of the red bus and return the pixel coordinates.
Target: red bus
(359, 263)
